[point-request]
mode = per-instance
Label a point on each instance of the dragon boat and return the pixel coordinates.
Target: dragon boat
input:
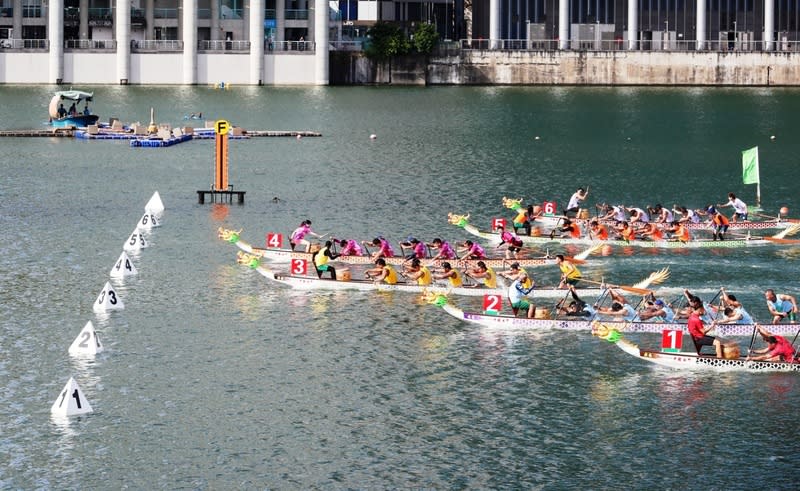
(691, 360)
(346, 282)
(779, 238)
(578, 324)
(279, 255)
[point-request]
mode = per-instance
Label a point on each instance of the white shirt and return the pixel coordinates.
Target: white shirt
(738, 205)
(574, 201)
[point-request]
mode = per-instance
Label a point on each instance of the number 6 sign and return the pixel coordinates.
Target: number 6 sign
(549, 208)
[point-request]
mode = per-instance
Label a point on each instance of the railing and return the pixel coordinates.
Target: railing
(42, 44)
(165, 13)
(298, 46)
(157, 46)
(104, 44)
(6, 11)
(614, 45)
(207, 45)
(296, 14)
(346, 45)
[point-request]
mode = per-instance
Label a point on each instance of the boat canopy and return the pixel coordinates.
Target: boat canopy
(72, 95)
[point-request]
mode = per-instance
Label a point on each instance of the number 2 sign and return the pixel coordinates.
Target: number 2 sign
(492, 304)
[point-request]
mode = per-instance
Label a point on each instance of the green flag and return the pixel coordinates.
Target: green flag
(750, 166)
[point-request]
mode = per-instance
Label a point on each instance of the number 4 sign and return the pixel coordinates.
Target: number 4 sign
(671, 340)
(274, 240)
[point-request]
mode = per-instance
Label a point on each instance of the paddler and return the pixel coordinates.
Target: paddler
(569, 229)
(679, 232)
(651, 231)
(382, 272)
(576, 308)
(511, 241)
(384, 248)
(720, 221)
(321, 258)
(574, 204)
(570, 274)
(472, 250)
(739, 208)
(349, 247)
(619, 307)
(450, 274)
(778, 348)
(445, 249)
(733, 312)
(781, 306)
(419, 273)
(298, 235)
(483, 273)
(519, 288)
(597, 230)
(699, 332)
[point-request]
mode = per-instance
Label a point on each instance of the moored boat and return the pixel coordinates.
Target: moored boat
(690, 360)
(74, 117)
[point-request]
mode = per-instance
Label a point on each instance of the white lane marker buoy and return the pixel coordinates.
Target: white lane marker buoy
(108, 300)
(87, 342)
(299, 137)
(71, 401)
(155, 205)
(135, 242)
(373, 136)
(772, 137)
(148, 221)
(123, 267)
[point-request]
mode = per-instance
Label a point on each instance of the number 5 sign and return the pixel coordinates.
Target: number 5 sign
(498, 222)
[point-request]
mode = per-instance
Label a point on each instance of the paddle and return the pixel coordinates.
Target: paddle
(631, 289)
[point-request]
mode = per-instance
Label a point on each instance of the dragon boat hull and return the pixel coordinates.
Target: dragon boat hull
(693, 361)
(313, 283)
(286, 255)
(567, 324)
(658, 244)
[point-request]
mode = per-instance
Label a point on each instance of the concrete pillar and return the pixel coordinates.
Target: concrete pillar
(149, 19)
(633, 24)
(122, 24)
(311, 23)
(55, 26)
(216, 35)
(189, 42)
(16, 22)
(83, 19)
(495, 31)
(563, 24)
(769, 25)
(256, 42)
(701, 25)
(280, 20)
(321, 17)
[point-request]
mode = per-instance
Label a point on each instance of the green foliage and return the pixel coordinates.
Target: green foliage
(386, 41)
(425, 38)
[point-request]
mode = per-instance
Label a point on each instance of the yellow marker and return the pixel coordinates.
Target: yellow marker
(221, 127)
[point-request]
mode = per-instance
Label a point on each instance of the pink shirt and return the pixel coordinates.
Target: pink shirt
(477, 251)
(300, 232)
(386, 249)
(351, 249)
(446, 251)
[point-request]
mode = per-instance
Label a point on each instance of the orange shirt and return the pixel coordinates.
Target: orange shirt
(601, 232)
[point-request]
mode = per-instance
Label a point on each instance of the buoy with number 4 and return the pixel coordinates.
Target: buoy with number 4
(87, 342)
(71, 401)
(108, 300)
(123, 267)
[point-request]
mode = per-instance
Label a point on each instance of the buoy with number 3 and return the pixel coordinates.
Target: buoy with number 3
(108, 300)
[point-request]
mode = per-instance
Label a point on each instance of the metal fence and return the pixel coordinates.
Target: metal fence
(452, 48)
(100, 44)
(26, 44)
(294, 46)
(207, 45)
(156, 46)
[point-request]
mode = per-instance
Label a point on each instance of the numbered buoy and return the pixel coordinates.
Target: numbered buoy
(71, 401)
(155, 205)
(87, 342)
(123, 267)
(135, 242)
(149, 220)
(108, 300)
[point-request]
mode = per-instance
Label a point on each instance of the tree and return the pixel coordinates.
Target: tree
(425, 38)
(386, 41)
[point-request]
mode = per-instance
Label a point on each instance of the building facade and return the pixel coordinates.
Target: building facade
(258, 42)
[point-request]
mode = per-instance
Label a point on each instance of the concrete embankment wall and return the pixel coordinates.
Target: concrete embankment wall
(574, 68)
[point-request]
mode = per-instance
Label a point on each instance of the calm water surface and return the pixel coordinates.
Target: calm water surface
(214, 379)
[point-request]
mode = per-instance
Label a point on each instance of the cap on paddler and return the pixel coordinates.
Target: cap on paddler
(659, 302)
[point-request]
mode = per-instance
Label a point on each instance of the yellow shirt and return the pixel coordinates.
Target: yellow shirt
(455, 280)
(569, 270)
(491, 278)
(426, 278)
(391, 275)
